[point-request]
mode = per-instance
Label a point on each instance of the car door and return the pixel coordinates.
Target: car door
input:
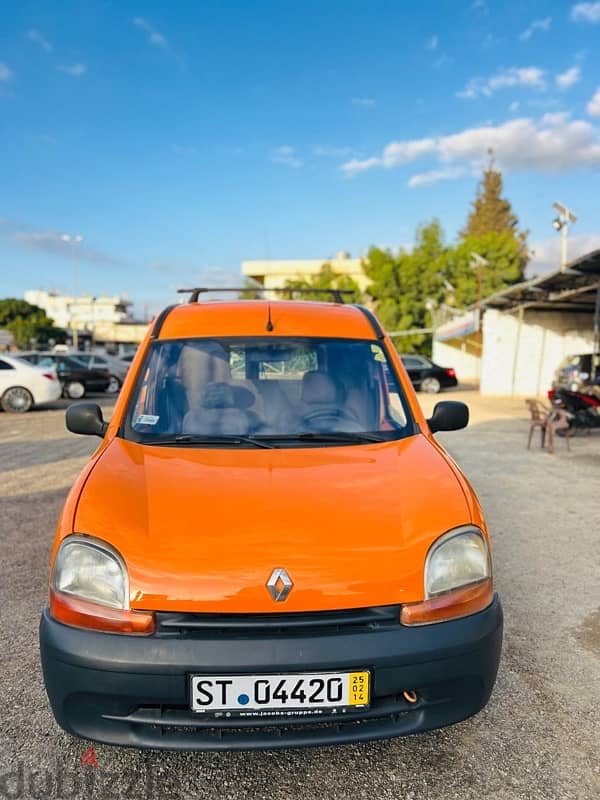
(7, 376)
(63, 369)
(415, 368)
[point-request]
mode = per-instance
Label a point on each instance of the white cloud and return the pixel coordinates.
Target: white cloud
(586, 12)
(74, 70)
(394, 155)
(286, 155)
(356, 165)
(514, 77)
(154, 37)
(434, 176)
(364, 102)
(593, 107)
(397, 153)
(536, 25)
(554, 143)
(568, 78)
(433, 43)
(5, 72)
(52, 243)
(546, 252)
(38, 38)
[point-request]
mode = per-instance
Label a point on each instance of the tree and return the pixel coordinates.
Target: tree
(326, 278)
(408, 288)
(492, 213)
(503, 254)
(26, 322)
(404, 287)
(251, 290)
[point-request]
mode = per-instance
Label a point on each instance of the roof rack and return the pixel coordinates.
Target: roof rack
(336, 294)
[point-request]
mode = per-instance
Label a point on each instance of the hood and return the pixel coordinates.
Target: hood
(203, 529)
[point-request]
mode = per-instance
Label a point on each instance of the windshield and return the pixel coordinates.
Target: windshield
(290, 388)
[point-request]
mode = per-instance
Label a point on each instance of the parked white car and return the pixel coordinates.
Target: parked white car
(24, 385)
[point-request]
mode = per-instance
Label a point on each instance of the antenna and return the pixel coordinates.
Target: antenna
(269, 320)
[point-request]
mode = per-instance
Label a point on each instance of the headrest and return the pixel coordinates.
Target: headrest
(224, 395)
(217, 395)
(317, 387)
(242, 397)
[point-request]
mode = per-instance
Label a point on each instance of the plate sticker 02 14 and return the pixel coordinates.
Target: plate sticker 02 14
(147, 419)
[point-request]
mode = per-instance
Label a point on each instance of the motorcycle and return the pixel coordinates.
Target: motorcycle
(583, 409)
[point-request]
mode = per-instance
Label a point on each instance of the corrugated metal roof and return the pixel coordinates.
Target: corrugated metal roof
(573, 289)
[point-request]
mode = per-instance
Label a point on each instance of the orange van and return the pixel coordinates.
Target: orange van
(269, 548)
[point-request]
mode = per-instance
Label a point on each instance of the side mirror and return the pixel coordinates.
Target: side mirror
(448, 415)
(86, 418)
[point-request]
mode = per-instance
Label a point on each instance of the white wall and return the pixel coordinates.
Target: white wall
(462, 354)
(520, 358)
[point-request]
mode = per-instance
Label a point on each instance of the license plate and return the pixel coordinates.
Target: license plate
(293, 693)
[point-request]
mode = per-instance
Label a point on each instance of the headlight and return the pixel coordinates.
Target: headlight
(457, 559)
(91, 571)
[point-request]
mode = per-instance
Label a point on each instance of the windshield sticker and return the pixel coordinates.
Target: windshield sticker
(378, 353)
(147, 419)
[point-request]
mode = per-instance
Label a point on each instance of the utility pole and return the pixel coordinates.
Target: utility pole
(561, 223)
(73, 241)
(478, 263)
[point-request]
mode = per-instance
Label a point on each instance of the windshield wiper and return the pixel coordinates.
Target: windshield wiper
(332, 436)
(186, 438)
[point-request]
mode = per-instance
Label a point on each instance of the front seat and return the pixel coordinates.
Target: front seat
(217, 413)
(323, 408)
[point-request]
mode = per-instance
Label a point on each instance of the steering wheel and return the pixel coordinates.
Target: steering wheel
(321, 418)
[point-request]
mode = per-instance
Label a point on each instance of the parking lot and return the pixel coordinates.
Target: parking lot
(538, 738)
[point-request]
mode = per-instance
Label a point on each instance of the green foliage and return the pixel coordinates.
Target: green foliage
(492, 213)
(250, 291)
(505, 266)
(408, 288)
(327, 278)
(27, 322)
(402, 285)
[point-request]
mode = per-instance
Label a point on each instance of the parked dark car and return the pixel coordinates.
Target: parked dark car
(427, 376)
(115, 366)
(75, 376)
(574, 373)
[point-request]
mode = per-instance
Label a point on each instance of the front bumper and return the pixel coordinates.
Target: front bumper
(134, 691)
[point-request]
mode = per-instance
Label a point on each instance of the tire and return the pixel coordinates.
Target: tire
(430, 385)
(113, 385)
(17, 400)
(74, 390)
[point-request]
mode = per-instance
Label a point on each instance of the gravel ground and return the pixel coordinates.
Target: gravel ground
(539, 737)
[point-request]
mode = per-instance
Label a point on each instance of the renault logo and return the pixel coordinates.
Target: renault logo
(279, 584)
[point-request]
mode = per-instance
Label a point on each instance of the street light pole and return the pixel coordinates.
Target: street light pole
(477, 263)
(561, 223)
(73, 241)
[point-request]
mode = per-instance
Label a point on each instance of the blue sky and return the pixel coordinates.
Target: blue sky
(181, 138)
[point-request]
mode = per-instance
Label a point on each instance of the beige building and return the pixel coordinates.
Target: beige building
(107, 318)
(275, 274)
